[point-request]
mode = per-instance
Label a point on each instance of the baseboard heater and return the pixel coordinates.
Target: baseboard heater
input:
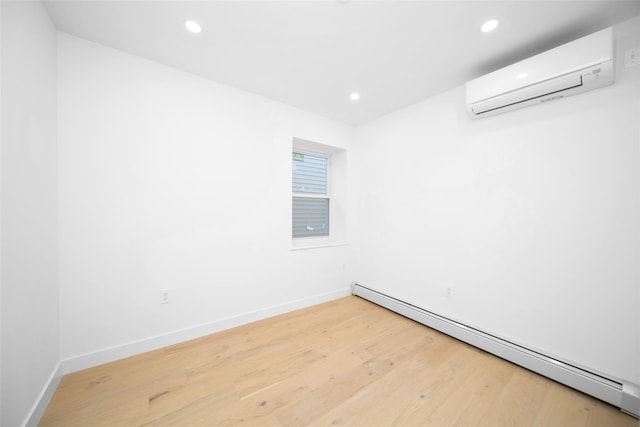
(618, 393)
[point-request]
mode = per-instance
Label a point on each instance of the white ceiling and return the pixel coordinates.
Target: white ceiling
(313, 54)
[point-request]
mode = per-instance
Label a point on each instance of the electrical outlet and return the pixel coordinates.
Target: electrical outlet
(165, 296)
(449, 294)
(632, 57)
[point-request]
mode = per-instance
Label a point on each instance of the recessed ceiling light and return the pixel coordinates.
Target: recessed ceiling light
(354, 96)
(193, 26)
(489, 26)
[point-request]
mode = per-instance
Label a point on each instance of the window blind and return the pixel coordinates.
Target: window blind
(310, 217)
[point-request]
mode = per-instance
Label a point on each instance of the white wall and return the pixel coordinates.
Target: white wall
(30, 316)
(168, 180)
(532, 218)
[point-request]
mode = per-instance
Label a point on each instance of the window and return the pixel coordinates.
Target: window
(311, 211)
(318, 195)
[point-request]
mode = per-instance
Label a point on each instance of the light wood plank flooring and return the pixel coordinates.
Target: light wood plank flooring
(347, 362)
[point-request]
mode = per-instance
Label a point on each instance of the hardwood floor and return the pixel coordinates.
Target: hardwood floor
(347, 362)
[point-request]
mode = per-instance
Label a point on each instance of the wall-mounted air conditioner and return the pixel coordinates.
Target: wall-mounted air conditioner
(572, 68)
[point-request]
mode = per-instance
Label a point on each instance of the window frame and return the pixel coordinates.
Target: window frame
(326, 196)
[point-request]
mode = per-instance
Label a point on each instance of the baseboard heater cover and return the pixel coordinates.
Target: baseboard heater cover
(625, 396)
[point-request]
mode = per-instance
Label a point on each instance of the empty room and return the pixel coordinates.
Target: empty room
(334, 212)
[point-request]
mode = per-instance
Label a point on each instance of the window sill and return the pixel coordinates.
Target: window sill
(297, 246)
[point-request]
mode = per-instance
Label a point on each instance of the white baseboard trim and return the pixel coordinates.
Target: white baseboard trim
(619, 393)
(33, 418)
(133, 348)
